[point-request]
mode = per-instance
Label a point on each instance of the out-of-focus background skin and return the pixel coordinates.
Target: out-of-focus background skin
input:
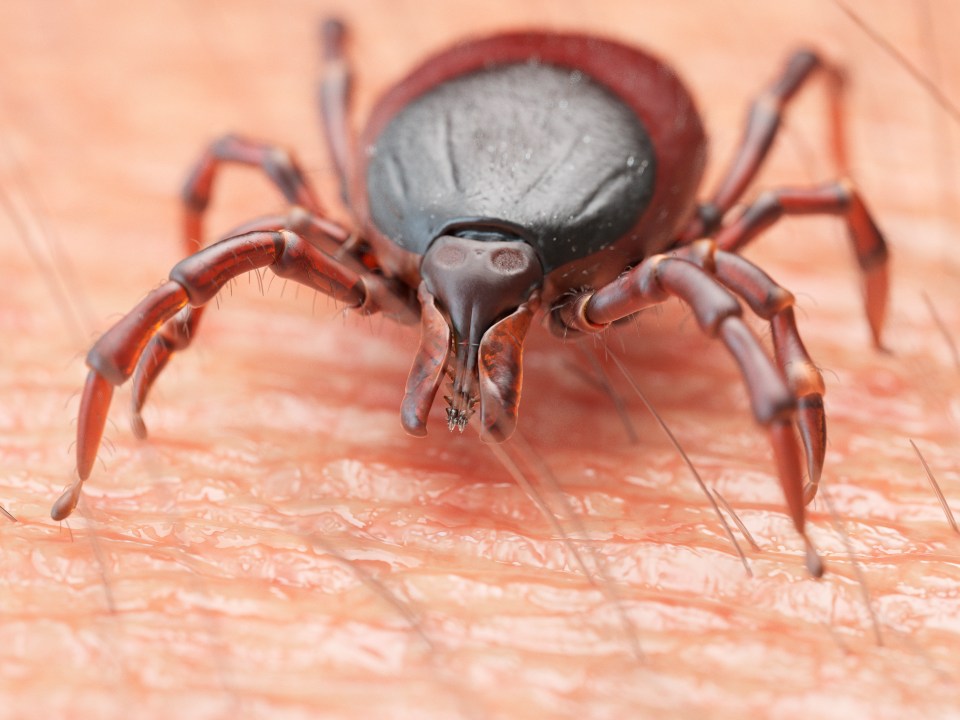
(279, 548)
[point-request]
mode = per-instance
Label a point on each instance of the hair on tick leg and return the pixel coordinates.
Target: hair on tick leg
(936, 489)
(110, 447)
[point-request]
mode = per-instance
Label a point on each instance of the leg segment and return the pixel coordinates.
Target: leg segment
(175, 335)
(285, 173)
(334, 94)
(832, 199)
(763, 122)
(775, 304)
(178, 332)
(195, 281)
(837, 198)
(276, 163)
(718, 313)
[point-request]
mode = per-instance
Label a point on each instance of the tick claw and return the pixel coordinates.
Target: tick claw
(138, 426)
(814, 561)
(66, 503)
(812, 424)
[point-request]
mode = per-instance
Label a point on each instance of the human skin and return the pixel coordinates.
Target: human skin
(280, 548)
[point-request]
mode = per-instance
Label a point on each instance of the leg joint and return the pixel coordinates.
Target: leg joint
(711, 302)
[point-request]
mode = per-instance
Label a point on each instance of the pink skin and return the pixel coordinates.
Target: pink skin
(280, 543)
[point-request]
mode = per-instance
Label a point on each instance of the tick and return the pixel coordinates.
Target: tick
(521, 175)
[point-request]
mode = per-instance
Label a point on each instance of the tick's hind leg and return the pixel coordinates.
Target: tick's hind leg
(775, 304)
(763, 124)
(839, 198)
(334, 92)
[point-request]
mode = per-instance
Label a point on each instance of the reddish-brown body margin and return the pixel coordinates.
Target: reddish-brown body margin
(646, 85)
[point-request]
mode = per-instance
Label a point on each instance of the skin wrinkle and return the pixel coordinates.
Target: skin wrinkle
(279, 427)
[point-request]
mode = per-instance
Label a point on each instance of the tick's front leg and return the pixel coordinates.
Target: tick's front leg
(773, 303)
(718, 313)
(194, 282)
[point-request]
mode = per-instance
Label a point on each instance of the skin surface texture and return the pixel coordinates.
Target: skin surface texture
(280, 548)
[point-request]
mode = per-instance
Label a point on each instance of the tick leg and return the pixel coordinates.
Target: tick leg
(832, 199)
(718, 313)
(174, 336)
(840, 198)
(276, 163)
(283, 170)
(334, 94)
(178, 332)
(195, 281)
(774, 304)
(763, 123)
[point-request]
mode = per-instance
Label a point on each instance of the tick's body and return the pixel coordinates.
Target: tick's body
(508, 175)
(569, 139)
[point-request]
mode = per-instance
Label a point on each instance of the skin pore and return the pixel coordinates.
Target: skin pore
(280, 548)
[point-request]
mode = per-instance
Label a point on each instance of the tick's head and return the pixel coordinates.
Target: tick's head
(477, 298)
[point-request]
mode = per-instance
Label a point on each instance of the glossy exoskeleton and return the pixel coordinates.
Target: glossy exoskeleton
(513, 175)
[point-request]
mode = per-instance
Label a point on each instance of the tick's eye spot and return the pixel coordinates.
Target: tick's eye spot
(509, 261)
(450, 256)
